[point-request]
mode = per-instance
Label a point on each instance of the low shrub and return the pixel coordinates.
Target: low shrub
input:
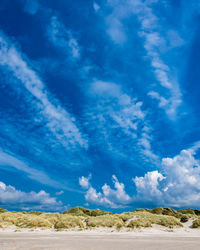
(139, 223)
(81, 211)
(184, 218)
(104, 221)
(186, 211)
(35, 212)
(159, 219)
(196, 223)
(142, 210)
(33, 222)
(165, 211)
(2, 210)
(126, 216)
(197, 212)
(67, 221)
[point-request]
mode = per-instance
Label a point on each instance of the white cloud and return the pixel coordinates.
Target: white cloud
(61, 123)
(147, 186)
(105, 89)
(120, 107)
(154, 42)
(60, 192)
(84, 181)
(35, 174)
(174, 39)
(113, 111)
(17, 199)
(114, 198)
(178, 185)
(96, 6)
(63, 38)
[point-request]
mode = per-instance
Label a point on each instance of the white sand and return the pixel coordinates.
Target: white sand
(155, 238)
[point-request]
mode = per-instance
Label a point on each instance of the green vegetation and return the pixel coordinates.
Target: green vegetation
(159, 219)
(105, 221)
(184, 218)
(79, 218)
(139, 223)
(81, 211)
(196, 223)
(187, 211)
(67, 221)
(165, 211)
(2, 210)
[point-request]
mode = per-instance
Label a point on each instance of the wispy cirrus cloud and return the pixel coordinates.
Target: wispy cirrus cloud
(62, 38)
(150, 32)
(12, 161)
(60, 122)
(118, 119)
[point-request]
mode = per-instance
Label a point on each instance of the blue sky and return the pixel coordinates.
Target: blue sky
(99, 104)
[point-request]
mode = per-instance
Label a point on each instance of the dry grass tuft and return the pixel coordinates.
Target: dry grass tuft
(163, 220)
(105, 221)
(68, 221)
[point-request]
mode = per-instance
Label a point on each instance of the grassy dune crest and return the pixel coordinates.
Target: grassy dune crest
(83, 218)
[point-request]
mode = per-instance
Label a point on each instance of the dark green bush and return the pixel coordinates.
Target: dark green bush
(165, 211)
(187, 211)
(184, 218)
(2, 210)
(196, 223)
(197, 212)
(35, 212)
(81, 211)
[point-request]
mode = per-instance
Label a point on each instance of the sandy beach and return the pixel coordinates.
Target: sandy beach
(156, 238)
(97, 241)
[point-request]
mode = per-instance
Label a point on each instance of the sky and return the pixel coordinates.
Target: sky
(99, 104)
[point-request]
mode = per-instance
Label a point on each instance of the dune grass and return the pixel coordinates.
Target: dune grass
(147, 219)
(81, 211)
(105, 221)
(83, 218)
(68, 221)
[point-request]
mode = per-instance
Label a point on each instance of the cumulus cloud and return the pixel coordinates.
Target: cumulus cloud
(114, 198)
(178, 185)
(10, 197)
(84, 181)
(60, 122)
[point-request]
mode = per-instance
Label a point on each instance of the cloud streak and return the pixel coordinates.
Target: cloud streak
(60, 122)
(149, 31)
(120, 120)
(63, 38)
(35, 174)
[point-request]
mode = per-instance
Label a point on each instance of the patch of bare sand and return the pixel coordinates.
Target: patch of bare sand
(157, 237)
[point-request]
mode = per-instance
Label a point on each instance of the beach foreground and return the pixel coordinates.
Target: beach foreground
(89, 241)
